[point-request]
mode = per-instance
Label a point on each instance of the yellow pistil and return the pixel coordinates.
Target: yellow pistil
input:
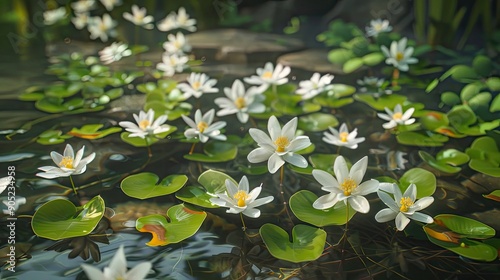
(267, 75)
(144, 124)
(397, 116)
(343, 136)
(241, 196)
(196, 85)
(377, 27)
(202, 126)
(399, 56)
(405, 202)
(240, 102)
(348, 186)
(66, 162)
(281, 143)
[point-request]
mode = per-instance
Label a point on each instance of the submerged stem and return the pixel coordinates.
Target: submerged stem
(395, 77)
(150, 154)
(244, 227)
(192, 148)
(72, 184)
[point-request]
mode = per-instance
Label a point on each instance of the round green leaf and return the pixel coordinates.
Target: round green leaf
(482, 99)
(452, 157)
(469, 91)
(450, 98)
(307, 242)
(352, 65)
(432, 120)
(495, 105)
(494, 195)
(373, 59)
(214, 181)
(317, 122)
(184, 223)
(196, 195)
(417, 139)
(301, 205)
(482, 65)
(465, 226)
(143, 185)
(339, 56)
(424, 180)
(389, 101)
(215, 151)
(463, 73)
(461, 116)
(59, 218)
(493, 83)
(484, 156)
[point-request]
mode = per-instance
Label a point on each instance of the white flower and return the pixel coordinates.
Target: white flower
(239, 200)
(203, 128)
(399, 56)
(139, 18)
(240, 102)
(176, 44)
(80, 20)
(172, 63)
(83, 6)
(101, 27)
(373, 85)
(316, 85)
(110, 4)
(397, 117)
(280, 147)
(114, 52)
(4, 183)
(377, 26)
(145, 125)
(342, 137)
(403, 207)
(197, 85)
(117, 269)
(52, 16)
(347, 187)
(180, 20)
(269, 76)
(67, 164)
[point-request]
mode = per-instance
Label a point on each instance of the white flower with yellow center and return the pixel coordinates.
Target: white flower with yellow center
(117, 269)
(343, 137)
(83, 6)
(280, 147)
(102, 28)
(399, 56)
(176, 44)
(114, 53)
(403, 207)
(316, 85)
(179, 20)
(347, 187)
(50, 17)
(203, 128)
(110, 4)
(80, 20)
(197, 84)
(377, 26)
(145, 124)
(172, 63)
(139, 17)
(67, 164)
(240, 102)
(269, 76)
(397, 117)
(239, 200)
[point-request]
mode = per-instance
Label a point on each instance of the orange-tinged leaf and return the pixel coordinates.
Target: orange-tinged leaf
(494, 195)
(158, 233)
(443, 234)
(84, 136)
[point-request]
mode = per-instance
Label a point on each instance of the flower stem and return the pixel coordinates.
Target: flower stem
(73, 184)
(244, 227)
(282, 191)
(392, 238)
(192, 148)
(275, 90)
(338, 150)
(395, 77)
(282, 175)
(150, 154)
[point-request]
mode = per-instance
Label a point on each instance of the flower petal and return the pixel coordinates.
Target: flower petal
(422, 218)
(326, 201)
(295, 159)
(359, 203)
(259, 155)
(385, 215)
(274, 163)
(401, 221)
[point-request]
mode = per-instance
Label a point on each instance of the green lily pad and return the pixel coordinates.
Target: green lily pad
(215, 151)
(495, 105)
(301, 204)
(481, 100)
(149, 140)
(144, 185)
(92, 131)
(317, 122)
(418, 139)
(59, 219)
(340, 56)
(482, 65)
(52, 137)
(432, 85)
(63, 91)
(373, 59)
(493, 83)
(484, 156)
(299, 170)
(352, 65)
(433, 119)
(57, 105)
(424, 180)
(213, 182)
(389, 101)
(465, 226)
(291, 108)
(450, 98)
(446, 160)
(307, 242)
(463, 73)
(184, 223)
(323, 161)
(494, 195)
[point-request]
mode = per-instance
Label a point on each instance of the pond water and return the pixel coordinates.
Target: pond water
(290, 239)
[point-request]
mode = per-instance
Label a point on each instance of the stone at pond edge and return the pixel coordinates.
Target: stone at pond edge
(314, 60)
(241, 46)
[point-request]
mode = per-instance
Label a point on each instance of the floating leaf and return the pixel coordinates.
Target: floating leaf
(463, 73)
(60, 218)
(144, 185)
(183, 224)
(465, 226)
(215, 151)
(52, 137)
(323, 161)
(432, 85)
(424, 180)
(484, 156)
(385, 101)
(432, 120)
(91, 131)
(307, 242)
(494, 195)
(352, 65)
(444, 159)
(482, 65)
(340, 56)
(418, 139)
(301, 204)
(493, 83)
(149, 140)
(317, 122)
(495, 105)
(450, 98)
(373, 59)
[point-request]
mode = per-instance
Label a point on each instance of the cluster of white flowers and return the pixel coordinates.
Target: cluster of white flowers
(178, 20)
